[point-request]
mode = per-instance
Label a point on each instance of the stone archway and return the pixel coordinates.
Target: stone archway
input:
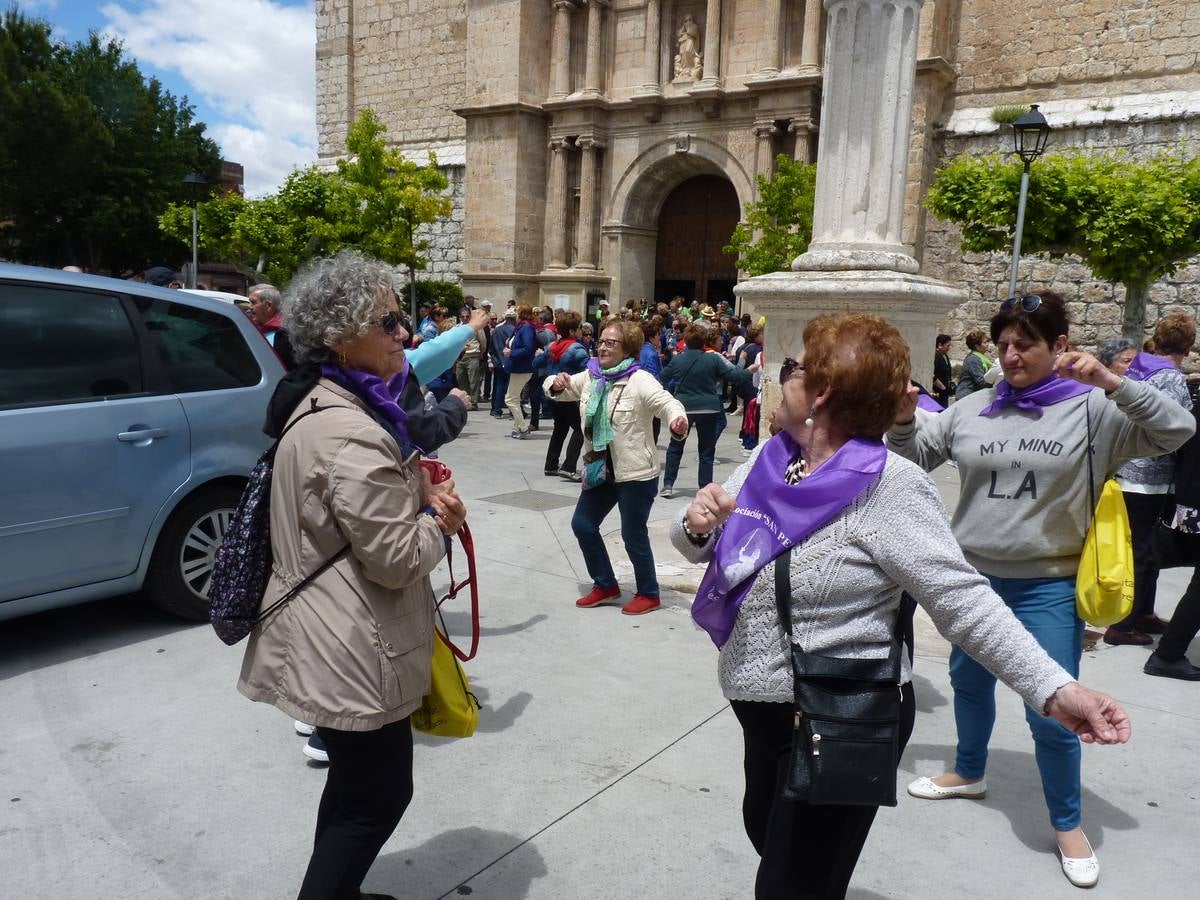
(694, 225)
(632, 215)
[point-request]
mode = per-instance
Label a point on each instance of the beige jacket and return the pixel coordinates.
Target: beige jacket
(352, 650)
(633, 403)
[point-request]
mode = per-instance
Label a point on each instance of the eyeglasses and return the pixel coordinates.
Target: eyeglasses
(608, 342)
(789, 368)
(388, 322)
(1029, 303)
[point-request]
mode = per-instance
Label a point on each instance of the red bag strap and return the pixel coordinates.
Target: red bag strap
(438, 473)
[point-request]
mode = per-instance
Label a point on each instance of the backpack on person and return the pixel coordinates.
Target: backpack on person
(243, 564)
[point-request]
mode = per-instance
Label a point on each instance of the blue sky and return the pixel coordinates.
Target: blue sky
(245, 65)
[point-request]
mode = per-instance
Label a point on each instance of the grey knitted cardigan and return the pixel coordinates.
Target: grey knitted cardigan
(847, 579)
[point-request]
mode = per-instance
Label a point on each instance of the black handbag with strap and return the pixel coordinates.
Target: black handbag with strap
(846, 739)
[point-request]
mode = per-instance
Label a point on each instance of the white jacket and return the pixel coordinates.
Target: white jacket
(633, 404)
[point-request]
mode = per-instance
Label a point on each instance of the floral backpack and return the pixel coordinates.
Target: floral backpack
(243, 563)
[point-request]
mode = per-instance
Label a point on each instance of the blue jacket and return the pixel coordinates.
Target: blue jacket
(573, 361)
(650, 360)
(522, 349)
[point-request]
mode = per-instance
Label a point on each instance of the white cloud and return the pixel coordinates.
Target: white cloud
(252, 61)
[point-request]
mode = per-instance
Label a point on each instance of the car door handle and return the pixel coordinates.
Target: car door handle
(142, 434)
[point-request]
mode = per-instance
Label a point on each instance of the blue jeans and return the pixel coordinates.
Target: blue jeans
(499, 389)
(1046, 607)
(705, 425)
(634, 499)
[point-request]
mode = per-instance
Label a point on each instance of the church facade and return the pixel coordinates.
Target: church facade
(606, 148)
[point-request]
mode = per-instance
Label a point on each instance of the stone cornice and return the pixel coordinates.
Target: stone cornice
(500, 109)
(938, 67)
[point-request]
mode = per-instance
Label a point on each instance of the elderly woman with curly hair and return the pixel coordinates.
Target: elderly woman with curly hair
(359, 528)
(618, 400)
(811, 544)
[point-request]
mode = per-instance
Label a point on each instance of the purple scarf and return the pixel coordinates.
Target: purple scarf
(772, 516)
(925, 402)
(381, 396)
(1146, 364)
(1047, 392)
(595, 371)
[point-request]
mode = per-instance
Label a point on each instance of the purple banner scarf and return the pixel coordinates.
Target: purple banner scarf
(773, 516)
(1047, 392)
(381, 396)
(1146, 364)
(925, 402)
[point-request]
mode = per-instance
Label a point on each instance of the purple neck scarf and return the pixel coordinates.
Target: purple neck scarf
(381, 396)
(773, 516)
(1146, 364)
(1047, 392)
(929, 404)
(595, 371)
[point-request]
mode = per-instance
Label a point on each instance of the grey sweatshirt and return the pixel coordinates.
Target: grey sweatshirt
(1024, 506)
(847, 578)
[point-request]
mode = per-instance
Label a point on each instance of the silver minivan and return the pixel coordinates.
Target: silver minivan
(130, 417)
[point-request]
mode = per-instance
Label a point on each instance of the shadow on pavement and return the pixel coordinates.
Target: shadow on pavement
(73, 632)
(928, 697)
(442, 856)
(1015, 789)
(459, 623)
(491, 719)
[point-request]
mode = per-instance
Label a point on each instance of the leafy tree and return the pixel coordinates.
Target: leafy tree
(1130, 221)
(778, 225)
(90, 152)
(375, 201)
(443, 293)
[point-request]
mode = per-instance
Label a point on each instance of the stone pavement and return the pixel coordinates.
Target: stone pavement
(607, 764)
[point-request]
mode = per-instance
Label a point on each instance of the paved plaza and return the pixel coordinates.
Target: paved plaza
(607, 765)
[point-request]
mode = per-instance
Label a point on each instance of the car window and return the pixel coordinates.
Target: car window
(199, 350)
(61, 345)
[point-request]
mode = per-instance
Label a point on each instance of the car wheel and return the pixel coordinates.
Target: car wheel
(181, 567)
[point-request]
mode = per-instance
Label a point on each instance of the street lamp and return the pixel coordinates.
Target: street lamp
(196, 183)
(1029, 142)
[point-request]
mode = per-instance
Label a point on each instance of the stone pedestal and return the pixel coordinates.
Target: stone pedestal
(856, 261)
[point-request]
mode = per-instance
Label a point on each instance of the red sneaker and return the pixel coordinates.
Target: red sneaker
(640, 605)
(596, 596)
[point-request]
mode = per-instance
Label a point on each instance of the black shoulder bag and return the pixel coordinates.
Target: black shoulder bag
(846, 742)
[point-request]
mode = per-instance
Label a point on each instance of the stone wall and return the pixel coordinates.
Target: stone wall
(1095, 305)
(445, 252)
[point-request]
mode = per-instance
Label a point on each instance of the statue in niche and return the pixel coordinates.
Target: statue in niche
(689, 61)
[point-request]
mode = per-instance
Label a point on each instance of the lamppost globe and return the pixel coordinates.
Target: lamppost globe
(195, 183)
(1030, 133)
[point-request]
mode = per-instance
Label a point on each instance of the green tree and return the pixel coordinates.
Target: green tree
(90, 152)
(1130, 221)
(375, 202)
(777, 227)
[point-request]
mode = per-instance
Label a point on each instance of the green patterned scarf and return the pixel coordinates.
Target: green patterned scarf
(596, 414)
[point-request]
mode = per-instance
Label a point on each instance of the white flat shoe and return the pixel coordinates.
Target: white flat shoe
(1083, 872)
(927, 789)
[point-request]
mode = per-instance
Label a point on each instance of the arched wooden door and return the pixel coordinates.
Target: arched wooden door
(696, 221)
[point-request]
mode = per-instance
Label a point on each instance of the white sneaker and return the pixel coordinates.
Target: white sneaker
(667, 493)
(315, 749)
(927, 789)
(303, 728)
(1084, 872)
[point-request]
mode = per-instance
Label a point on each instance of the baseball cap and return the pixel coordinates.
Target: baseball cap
(486, 304)
(510, 313)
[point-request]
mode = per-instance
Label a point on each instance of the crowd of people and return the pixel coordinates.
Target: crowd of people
(858, 534)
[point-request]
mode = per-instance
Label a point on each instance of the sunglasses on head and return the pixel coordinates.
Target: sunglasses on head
(388, 322)
(789, 368)
(1029, 303)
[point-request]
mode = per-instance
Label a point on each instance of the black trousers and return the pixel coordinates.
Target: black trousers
(1184, 624)
(807, 852)
(1144, 510)
(368, 787)
(566, 420)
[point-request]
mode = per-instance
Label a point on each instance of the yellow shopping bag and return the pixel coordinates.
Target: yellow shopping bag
(1104, 583)
(449, 709)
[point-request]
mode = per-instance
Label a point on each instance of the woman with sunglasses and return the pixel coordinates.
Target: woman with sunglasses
(351, 652)
(1023, 511)
(863, 527)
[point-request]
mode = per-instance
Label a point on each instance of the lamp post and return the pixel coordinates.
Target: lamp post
(196, 184)
(1029, 142)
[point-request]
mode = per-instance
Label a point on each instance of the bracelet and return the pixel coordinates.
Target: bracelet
(698, 539)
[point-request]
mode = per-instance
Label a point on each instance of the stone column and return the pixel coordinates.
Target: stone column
(866, 117)
(556, 208)
(591, 70)
(560, 50)
(765, 152)
(651, 63)
(810, 47)
(801, 129)
(711, 48)
(587, 204)
(772, 28)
